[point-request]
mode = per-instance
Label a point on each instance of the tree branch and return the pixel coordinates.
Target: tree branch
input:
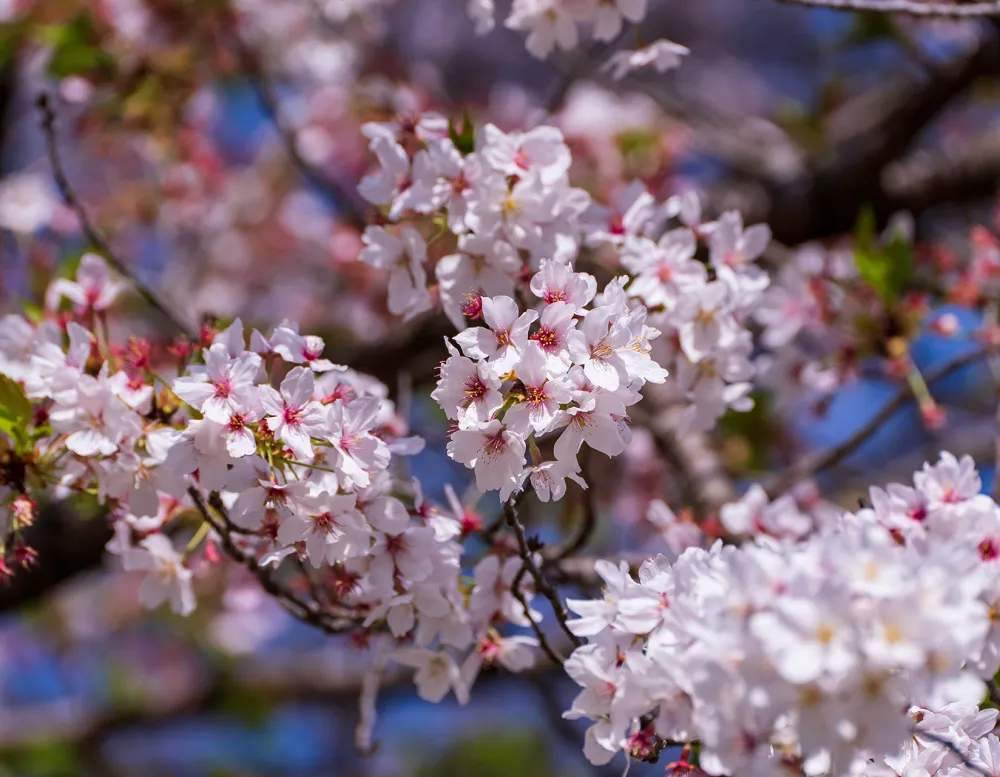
(95, 238)
(702, 476)
(344, 194)
(909, 7)
(822, 460)
(304, 610)
(526, 552)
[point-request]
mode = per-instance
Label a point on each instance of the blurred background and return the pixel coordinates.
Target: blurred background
(217, 144)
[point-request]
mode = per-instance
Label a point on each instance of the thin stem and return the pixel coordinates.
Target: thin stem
(302, 609)
(822, 460)
(527, 557)
(543, 641)
(90, 232)
(344, 195)
(198, 537)
(283, 460)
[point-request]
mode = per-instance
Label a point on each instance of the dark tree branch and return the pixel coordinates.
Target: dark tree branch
(867, 134)
(821, 460)
(702, 476)
(909, 7)
(969, 171)
(343, 193)
(310, 612)
(67, 545)
(95, 238)
(526, 552)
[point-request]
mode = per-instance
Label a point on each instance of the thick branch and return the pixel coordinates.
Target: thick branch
(909, 7)
(868, 134)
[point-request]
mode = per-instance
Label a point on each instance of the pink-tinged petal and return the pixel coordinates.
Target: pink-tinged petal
(499, 312)
(400, 620)
(602, 373)
(298, 385)
(193, 392)
(90, 442)
(240, 442)
(245, 368)
(298, 441)
(271, 400)
(602, 435)
(569, 443)
(213, 472)
(477, 342)
(216, 409)
(755, 240)
(154, 591)
(466, 445)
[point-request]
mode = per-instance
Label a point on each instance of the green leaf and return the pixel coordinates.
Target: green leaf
(887, 268)
(77, 49)
(15, 410)
(464, 140)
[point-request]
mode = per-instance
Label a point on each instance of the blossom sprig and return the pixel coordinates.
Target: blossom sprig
(859, 645)
(276, 453)
(525, 375)
(506, 206)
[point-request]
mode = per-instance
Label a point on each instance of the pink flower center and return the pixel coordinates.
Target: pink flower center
(495, 446)
(475, 390)
(395, 545)
(536, 395)
(546, 338)
(323, 523)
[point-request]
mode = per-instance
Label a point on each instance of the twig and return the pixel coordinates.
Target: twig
(90, 232)
(910, 7)
(303, 610)
(822, 460)
(344, 195)
(702, 476)
(584, 529)
(954, 749)
(541, 584)
(543, 641)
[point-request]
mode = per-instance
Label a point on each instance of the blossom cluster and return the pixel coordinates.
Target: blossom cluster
(291, 454)
(509, 195)
(576, 372)
(552, 24)
(703, 307)
(512, 213)
(809, 316)
(858, 647)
